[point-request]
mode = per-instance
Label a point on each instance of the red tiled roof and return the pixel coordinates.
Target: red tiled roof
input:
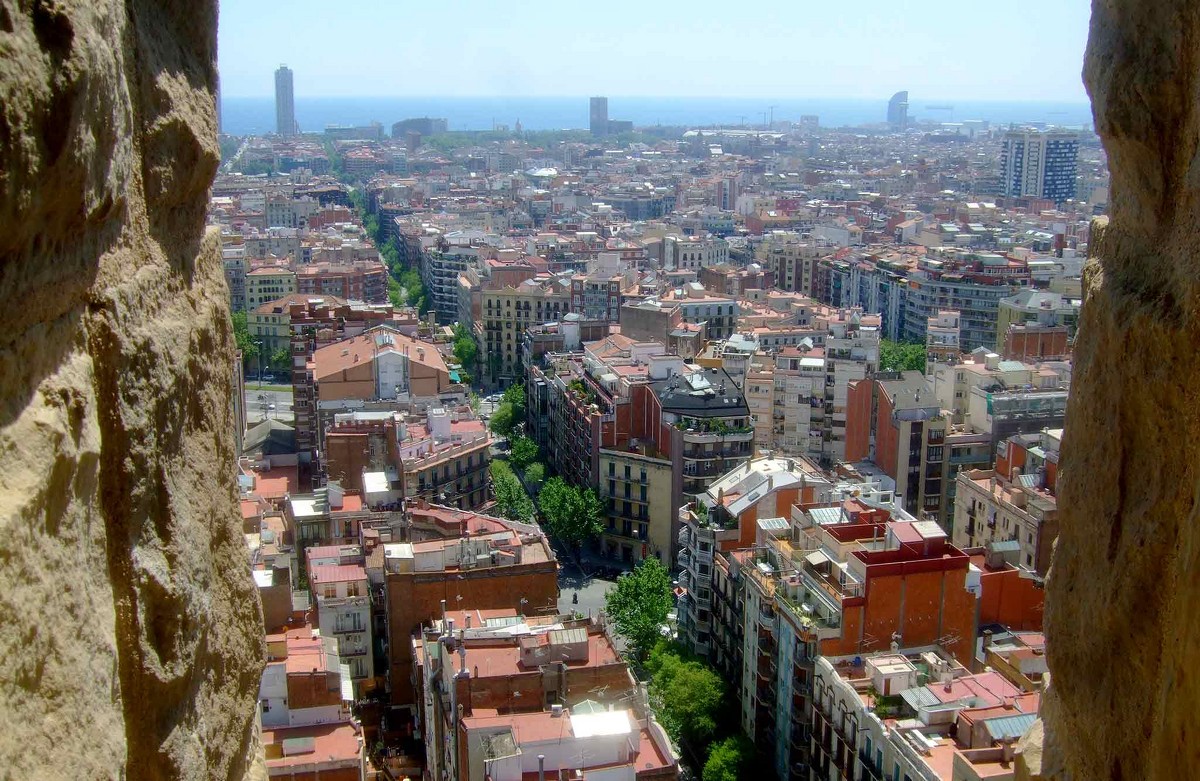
(336, 573)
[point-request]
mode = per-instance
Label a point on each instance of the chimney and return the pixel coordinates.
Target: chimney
(541, 767)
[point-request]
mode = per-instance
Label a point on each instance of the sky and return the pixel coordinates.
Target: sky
(947, 49)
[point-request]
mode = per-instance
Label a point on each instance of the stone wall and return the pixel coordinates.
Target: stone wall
(1121, 621)
(132, 639)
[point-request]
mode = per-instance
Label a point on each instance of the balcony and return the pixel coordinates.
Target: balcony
(871, 770)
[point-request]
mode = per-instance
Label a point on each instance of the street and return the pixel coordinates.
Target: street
(275, 402)
(590, 588)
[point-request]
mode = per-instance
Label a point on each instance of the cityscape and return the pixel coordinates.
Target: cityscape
(653, 452)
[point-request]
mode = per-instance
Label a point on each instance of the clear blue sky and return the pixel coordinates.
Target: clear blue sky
(951, 49)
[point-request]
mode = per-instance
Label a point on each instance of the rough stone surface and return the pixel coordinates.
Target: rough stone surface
(131, 635)
(1122, 635)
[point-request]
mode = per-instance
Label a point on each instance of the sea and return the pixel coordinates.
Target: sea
(256, 115)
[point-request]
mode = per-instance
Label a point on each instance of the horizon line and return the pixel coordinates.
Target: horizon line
(582, 96)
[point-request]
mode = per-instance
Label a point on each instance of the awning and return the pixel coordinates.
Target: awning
(347, 683)
(816, 558)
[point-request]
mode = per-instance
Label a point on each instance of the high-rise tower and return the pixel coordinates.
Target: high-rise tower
(1039, 165)
(897, 115)
(285, 104)
(599, 117)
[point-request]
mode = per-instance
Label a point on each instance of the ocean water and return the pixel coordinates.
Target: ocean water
(242, 116)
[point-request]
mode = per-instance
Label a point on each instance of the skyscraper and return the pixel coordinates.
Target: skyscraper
(599, 117)
(897, 115)
(1039, 165)
(285, 105)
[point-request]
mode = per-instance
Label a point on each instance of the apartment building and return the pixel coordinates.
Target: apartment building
(723, 519)
(440, 267)
(315, 323)
(652, 320)
(718, 314)
(851, 342)
(627, 404)
(271, 322)
(343, 608)
(915, 713)
(734, 281)
(597, 296)
(1040, 164)
(444, 459)
(265, 284)
(1001, 397)
(439, 455)
(694, 253)
(971, 284)
(364, 280)
(942, 342)
(304, 701)
(459, 557)
(637, 490)
(285, 211)
(820, 580)
(233, 258)
(507, 697)
(793, 258)
(1037, 308)
(506, 311)
(1016, 501)
(877, 282)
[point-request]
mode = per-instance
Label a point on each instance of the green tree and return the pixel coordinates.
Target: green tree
(466, 349)
(570, 514)
(729, 760)
(502, 421)
(535, 473)
(281, 358)
(243, 339)
(901, 356)
(524, 452)
(515, 395)
(685, 693)
(639, 603)
(395, 293)
(511, 500)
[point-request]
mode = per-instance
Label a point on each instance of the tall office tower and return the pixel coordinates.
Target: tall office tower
(1039, 165)
(897, 115)
(285, 104)
(599, 117)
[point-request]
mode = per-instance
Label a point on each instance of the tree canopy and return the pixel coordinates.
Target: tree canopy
(729, 760)
(466, 350)
(510, 412)
(686, 694)
(639, 603)
(241, 335)
(570, 514)
(502, 420)
(524, 452)
(511, 500)
(901, 356)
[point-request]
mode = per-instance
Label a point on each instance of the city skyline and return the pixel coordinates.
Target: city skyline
(801, 53)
